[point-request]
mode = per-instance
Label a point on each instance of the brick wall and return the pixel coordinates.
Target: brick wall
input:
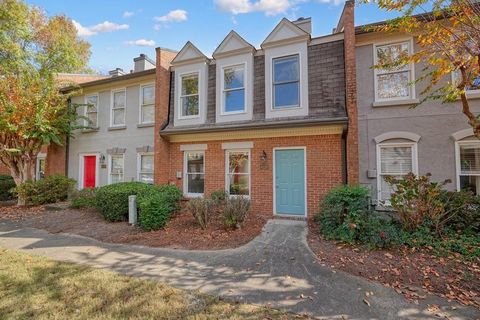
(324, 168)
(56, 159)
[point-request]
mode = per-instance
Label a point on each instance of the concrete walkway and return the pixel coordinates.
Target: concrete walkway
(276, 268)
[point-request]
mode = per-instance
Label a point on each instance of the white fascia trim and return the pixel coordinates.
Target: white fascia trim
(237, 145)
(245, 60)
(202, 70)
(397, 135)
(193, 147)
(462, 134)
(299, 49)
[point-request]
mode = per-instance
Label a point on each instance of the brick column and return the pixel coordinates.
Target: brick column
(347, 25)
(162, 93)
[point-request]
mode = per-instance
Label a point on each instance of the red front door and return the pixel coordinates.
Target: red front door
(89, 171)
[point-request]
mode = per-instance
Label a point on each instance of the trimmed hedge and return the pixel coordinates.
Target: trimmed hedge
(6, 185)
(155, 211)
(52, 189)
(85, 198)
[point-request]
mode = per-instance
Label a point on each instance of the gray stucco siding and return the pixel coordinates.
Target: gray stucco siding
(433, 121)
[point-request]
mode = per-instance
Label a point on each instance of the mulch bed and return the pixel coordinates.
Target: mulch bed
(181, 231)
(413, 273)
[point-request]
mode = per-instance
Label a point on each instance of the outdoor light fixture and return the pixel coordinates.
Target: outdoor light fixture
(263, 157)
(102, 159)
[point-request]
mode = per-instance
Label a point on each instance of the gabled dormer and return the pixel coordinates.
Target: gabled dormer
(190, 67)
(234, 79)
(286, 71)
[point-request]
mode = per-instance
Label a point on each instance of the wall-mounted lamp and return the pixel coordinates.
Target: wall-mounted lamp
(263, 157)
(102, 159)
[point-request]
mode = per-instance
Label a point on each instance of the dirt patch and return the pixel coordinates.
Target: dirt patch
(413, 273)
(181, 231)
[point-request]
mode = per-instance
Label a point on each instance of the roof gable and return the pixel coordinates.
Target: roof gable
(189, 53)
(285, 31)
(233, 43)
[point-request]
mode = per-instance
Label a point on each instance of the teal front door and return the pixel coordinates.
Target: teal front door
(290, 182)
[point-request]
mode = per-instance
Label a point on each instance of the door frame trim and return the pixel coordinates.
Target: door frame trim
(81, 176)
(304, 148)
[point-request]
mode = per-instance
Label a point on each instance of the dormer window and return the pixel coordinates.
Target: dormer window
(286, 82)
(234, 89)
(189, 98)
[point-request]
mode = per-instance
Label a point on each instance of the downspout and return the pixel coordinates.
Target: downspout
(344, 157)
(67, 142)
(169, 102)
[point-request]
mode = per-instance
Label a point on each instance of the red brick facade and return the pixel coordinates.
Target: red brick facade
(56, 160)
(324, 167)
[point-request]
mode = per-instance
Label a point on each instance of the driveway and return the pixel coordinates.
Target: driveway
(277, 268)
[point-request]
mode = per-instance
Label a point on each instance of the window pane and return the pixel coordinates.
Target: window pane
(146, 163)
(235, 100)
(117, 164)
(233, 77)
(286, 95)
(116, 178)
(148, 95)
(148, 113)
(146, 178)
(118, 116)
(190, 106)
(195, 183)
(195, 176)
(396, 160)
(470, 183)
(238, 162)
(195, 162)
(92, 103)
(286, 69)
(470, 159)
(92, 119)
(393, 85)
(238, 184)
(119, 99)
(190, 84)
(391, 53)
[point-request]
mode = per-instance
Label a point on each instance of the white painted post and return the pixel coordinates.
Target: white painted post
(132, 210)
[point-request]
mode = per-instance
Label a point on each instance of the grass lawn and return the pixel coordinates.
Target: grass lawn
(38, 288)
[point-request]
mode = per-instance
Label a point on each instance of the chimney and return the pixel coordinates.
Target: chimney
(142, 63)
(117, 72)
(304, 23)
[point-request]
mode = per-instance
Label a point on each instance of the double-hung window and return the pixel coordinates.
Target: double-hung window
(286, 82)
(116, 167)
(91, 111)
(147, 104)
(473, 87)
(395, 160)
(469, 166)
(189, 97)
(238, 173)
(145, 167)
(194, 168)
(393, 83)
(234, 89)
(118, 107)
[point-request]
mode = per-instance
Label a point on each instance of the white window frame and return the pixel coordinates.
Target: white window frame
(411, 144)
(110, 156)
(141, 105)
(185, 174)
(112, 96)
(411, 86)
(457, 159)
(290, 107)
(470, 93)
(40, 156)
(180, 96)
(85, 113)
(223, 110)
(139, 164)
(227, 173)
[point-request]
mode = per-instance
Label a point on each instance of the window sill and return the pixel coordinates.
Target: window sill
(145, 125)
(87, 130)
(117, 128)
(473, 95)
(391, 103)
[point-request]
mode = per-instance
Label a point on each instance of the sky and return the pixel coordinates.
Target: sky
(120, 30)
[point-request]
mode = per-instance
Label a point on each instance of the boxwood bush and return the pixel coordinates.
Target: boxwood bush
(85, 198)
(6, 185)
(51, 189)
(155, 210)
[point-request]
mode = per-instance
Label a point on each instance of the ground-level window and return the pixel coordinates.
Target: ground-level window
(145, 167)
(238, 172)
(40, 167)
(116, 168)
(194, 168)
(469, 166)
(395, 160)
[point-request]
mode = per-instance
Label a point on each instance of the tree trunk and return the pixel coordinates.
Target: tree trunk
(473, 120)
(22, 169)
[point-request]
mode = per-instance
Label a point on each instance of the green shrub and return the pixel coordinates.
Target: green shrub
(112, 200)
(51, 189)
(376, 231)
(219, 196)
(462, 211)
(85, 198)
(6, 186)
(155, 211)
(202, 210)
(235, 211)
(171, 192)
